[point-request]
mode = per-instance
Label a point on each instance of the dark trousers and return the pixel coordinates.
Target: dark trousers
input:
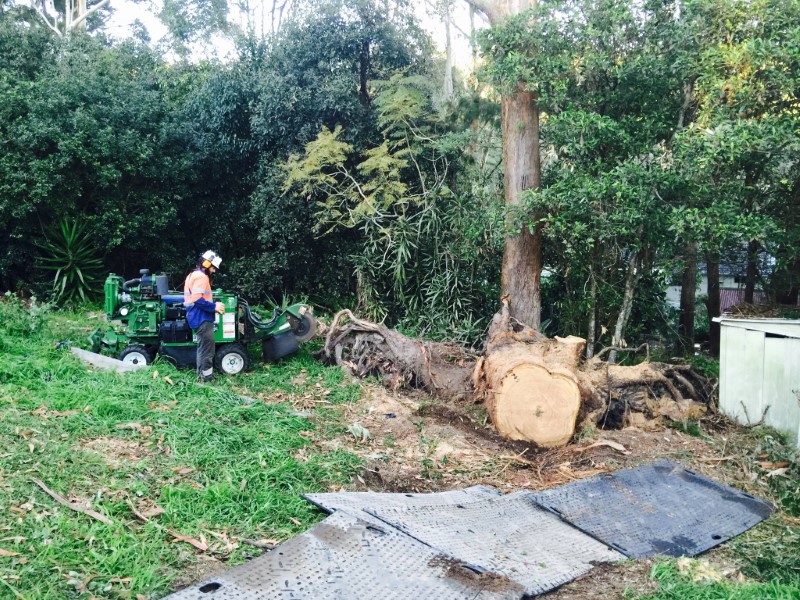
(205, 349)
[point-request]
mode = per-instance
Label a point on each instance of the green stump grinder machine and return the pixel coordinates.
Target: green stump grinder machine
(147, 319)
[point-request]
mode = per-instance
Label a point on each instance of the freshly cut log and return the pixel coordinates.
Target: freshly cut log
(532, 391)
(535, 388)
(532, 403)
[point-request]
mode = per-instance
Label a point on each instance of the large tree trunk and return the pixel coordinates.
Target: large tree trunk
(688, 298)
(522, 255)
(447, 86)
(713, 303)
(530, 382)
(363, 73)
(752, 271)
(534, 388)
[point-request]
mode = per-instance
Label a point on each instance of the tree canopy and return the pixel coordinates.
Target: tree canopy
(325, 159)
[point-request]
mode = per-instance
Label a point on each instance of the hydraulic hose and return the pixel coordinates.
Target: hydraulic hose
(131, 282)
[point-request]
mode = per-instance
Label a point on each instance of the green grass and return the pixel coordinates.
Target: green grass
(673, 585)
(230, 458)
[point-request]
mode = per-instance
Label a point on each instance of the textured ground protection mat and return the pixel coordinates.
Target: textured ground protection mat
(661, 508)
(344, 558)
(505, 535)
(356, 503)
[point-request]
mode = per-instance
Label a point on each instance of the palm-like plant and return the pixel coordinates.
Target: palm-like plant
(69, 251)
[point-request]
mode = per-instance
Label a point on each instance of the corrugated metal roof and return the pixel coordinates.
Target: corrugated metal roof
(784, 327)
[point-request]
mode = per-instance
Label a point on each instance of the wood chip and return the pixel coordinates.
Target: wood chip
(295, 521)
(72, 505)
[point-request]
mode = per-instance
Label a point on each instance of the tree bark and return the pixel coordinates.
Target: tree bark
(363, 91)
(713, 303)
(522, 254)
(592, 329)
(752, 271)
(631, 278)
(688, 298)
(447, 86)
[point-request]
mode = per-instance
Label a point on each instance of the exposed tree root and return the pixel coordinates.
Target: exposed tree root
(535, 388)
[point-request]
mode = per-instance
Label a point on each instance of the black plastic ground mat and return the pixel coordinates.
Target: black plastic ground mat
(505, 535)
(355, 503)
(344, 558)
(661, 508)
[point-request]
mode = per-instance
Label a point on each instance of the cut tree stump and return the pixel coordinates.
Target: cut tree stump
(535, 388)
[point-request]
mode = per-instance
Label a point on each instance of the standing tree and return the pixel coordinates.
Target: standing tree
(522, 255)
(66, 16)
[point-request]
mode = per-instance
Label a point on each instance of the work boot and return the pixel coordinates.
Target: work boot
(206, 379)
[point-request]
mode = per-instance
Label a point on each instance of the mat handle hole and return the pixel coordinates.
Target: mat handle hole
(210, 587)
(716, 536)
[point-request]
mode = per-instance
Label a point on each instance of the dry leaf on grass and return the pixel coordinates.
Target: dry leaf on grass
(17, 539)
(611, 444)
(154, 511)
(778, 472)
(8, 553)
(262, 543)
(781, 464)
(295, 521)
(230, 546)
(200, 544)
(182, 470)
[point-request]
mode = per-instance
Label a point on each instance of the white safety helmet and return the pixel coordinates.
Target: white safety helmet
(213, 258)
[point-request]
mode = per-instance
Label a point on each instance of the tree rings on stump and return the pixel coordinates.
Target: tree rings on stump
(534, 404)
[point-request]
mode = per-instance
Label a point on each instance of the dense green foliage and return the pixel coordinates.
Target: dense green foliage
(664, 124)
(323, 160)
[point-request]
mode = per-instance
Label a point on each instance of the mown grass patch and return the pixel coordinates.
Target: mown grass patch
(675, 585)
(224, 462)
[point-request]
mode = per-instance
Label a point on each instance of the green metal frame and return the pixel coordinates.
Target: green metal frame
(136, 320)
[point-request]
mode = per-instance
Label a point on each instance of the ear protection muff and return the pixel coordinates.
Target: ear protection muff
(206, 264)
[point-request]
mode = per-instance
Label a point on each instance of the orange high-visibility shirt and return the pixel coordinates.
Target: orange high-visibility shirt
(197, 286)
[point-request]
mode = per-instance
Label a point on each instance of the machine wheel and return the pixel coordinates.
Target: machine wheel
(136, 354)
(306, 328)
(231, 359)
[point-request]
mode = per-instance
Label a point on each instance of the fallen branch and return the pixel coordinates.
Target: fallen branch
(618, 349)
(72, 505)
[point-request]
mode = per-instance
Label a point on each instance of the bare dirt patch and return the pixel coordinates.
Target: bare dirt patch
(417, 445)
(117, 452)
